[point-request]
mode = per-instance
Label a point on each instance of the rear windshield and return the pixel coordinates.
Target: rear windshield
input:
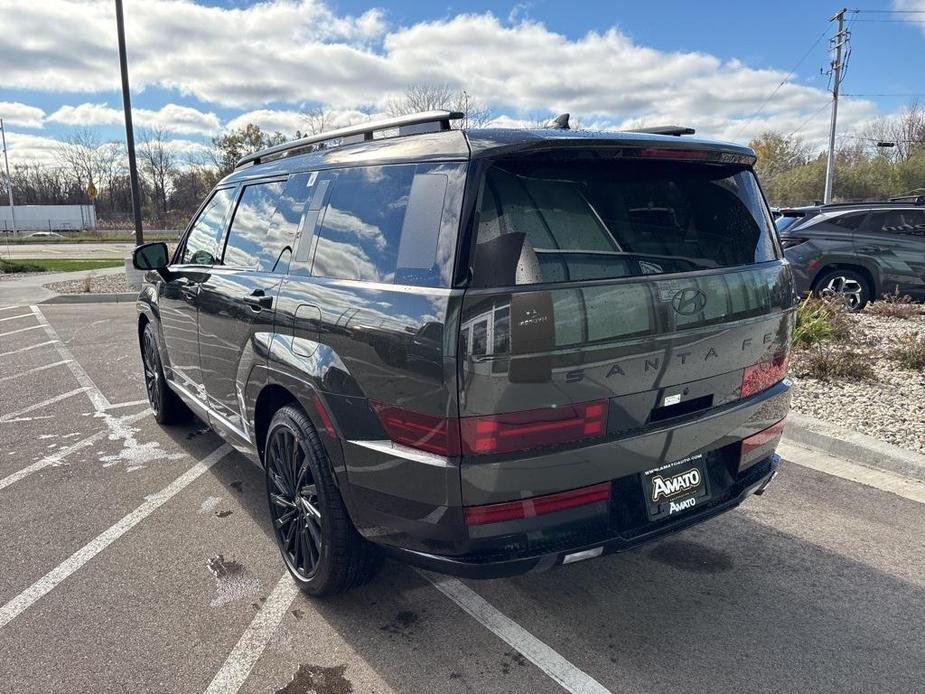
(568, 220)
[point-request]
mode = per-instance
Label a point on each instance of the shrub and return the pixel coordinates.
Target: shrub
(894, 306)
(827, 361)
(819, 320)
(910, 352)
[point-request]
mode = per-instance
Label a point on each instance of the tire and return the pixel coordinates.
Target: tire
(848, 285)
(319, 545)
(167, 406)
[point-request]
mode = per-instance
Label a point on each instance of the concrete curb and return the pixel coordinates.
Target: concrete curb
(853, 446)
(87, 298)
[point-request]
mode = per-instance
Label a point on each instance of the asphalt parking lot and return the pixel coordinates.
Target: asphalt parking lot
(136, 558)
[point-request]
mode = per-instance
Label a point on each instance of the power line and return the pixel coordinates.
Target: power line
(893, 94)
(806, 122)
(890, 11)
(782, 82)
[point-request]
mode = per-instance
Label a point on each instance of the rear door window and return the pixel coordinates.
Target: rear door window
(583, 220)
(265, 224)
(203, 243)
(898, 222)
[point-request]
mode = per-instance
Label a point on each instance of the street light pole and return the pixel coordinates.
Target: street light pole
(129, 131)
(9, 179)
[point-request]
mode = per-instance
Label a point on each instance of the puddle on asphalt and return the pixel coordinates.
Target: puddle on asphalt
(314, 679)
(232, 581)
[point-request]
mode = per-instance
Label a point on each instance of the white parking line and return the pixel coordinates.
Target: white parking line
(21, 330)
(57, 457)
(906, 487)
(47, 583)
(560, 670)
(27, 349)
(21, 315)
(247, 650)
(36, 369)
(120, 405)
(40, 405)
(97, 399)
(9, 308)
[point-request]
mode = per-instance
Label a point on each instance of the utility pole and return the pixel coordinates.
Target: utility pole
(838, 43)
(9, 179)
(129, 131)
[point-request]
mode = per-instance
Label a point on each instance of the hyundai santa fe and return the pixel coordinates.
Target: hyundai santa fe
(483, 352)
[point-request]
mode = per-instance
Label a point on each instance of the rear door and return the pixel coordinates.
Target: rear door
(237, 300)
(895, 239)
(193, 263)
(647, 286)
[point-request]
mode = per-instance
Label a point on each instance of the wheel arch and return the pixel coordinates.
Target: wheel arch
(872, 278)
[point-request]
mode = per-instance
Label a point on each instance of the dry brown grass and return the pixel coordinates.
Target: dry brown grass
(827, 361)
(910, 352)
(894, 306)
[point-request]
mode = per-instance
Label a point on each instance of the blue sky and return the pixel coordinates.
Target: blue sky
(199, 67)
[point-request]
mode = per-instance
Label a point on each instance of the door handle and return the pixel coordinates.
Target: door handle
(258, 300)
(190, 291)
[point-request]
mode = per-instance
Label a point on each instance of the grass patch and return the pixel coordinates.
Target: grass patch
(57, 264)
(819, 320)
(910, 352)
(826, 361)
(894, 306)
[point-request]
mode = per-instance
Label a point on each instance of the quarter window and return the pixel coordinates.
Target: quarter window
(203, 243)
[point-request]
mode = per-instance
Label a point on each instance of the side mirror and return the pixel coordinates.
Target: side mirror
(150, 256)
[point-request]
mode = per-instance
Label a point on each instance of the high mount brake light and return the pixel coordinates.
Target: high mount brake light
(763, 437)
(765, 374)
(492, 434)
(669, 153)
(537, 505)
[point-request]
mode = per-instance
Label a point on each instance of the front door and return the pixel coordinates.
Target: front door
(179, 298)
(237, 302)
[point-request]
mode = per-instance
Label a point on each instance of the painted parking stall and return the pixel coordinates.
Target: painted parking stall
(139, 558)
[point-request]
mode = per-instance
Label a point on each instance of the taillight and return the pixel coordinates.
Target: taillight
(519, 431)
(765, 374)
(762, 438)
(492, 434)
(422, 431)
(536, 506)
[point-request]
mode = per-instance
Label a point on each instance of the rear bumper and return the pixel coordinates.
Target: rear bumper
(489, 564)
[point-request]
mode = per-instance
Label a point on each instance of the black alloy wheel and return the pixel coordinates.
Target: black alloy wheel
(294, 506)
(320, 546)
(166, 405)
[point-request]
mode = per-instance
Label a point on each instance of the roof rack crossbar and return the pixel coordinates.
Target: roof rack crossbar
(406, 125)
(676, 130)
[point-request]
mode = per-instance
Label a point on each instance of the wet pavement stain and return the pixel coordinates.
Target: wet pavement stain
(511, 658)
(402, 624)
(198, 432)
(314, 679)
(232, 582)
(692, 557)
(223, 514)
(238, 486)
(298, 614)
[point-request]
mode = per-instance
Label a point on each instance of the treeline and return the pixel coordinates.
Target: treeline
(887, 159)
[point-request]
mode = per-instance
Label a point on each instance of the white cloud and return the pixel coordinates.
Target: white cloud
(288, 122)
(916, 10)
(293, 52)
(171, 118)
(32, 149)
(23, 115)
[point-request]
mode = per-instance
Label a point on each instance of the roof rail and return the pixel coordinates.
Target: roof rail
(676, 130)
(911, 198)
(411, 124)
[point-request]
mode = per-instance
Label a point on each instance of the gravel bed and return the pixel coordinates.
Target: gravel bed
(10, 276)
(104, 284)
(890, 407)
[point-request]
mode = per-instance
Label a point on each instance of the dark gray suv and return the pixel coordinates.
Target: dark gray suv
(858, 251)
(483, 352)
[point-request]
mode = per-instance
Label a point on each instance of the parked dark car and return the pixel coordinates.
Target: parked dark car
(858, 251)
(483, 352)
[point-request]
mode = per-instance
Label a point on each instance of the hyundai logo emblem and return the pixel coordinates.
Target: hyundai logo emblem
(689, 301)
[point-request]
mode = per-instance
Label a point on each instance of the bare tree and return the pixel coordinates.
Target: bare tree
(158, 165)
(316, 120)
(906, 132)
(79, 156)
(423, 96)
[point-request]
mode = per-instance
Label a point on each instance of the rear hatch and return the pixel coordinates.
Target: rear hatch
(611, 294)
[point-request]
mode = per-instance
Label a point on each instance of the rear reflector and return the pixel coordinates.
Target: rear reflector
(520, 431)
(765, 374)
(762, 438)
(537, 506)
